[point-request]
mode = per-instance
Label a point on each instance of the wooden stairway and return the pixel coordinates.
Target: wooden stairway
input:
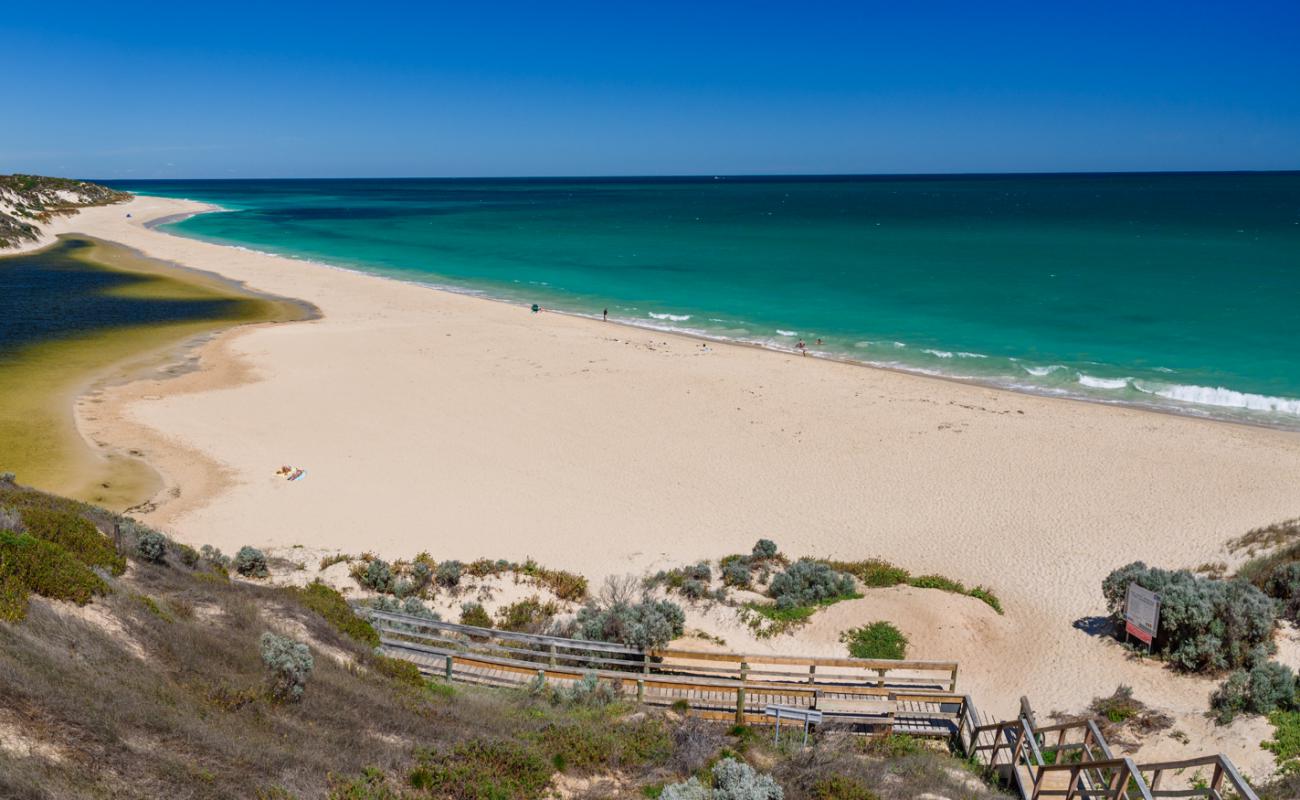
(1072, 760)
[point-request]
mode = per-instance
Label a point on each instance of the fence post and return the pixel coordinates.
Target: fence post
(740, 694)
(645, 661)
(640, 690)
(812, 673)
(551, 659)
(448, 668)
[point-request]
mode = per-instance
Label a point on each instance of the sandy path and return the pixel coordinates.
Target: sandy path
(429, 420)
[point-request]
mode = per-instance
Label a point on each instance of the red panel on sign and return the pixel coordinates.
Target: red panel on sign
(1137, 633)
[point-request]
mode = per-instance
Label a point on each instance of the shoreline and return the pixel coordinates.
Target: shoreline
(427, 420)
(1190, 411)
(54, 377)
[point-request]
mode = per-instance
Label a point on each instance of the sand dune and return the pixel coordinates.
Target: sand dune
(433, 421)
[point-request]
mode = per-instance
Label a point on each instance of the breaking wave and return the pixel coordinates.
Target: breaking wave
(1103, 383)
(1223, 398)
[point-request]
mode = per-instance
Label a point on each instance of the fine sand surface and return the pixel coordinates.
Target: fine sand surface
(433, 421)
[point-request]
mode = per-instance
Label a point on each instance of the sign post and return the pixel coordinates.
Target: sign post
(1141, 614)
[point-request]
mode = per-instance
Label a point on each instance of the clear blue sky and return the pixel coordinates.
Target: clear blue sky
(374, 88)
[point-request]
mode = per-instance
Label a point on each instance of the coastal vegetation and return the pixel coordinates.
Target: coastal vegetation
(29, 201)
(177, 681)
(1225, 625)
(774, 595)
(423, 576)
(875, 640)
(1206, 624)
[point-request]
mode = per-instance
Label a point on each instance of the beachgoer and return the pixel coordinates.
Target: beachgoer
(801, 347)
(605, 315)
(536, 308)
(819, 342)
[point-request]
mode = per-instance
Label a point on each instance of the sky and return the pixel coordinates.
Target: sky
(622, 87)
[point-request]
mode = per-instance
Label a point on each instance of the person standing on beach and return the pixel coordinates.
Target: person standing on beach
(605, 315)
(801, 347)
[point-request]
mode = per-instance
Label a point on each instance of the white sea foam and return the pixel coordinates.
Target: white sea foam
(1223, 398)
(971, 355)
(1039, 372)
(1103, 383)
(899, 344)
(787, 333)
(939, 353)
(672, 317)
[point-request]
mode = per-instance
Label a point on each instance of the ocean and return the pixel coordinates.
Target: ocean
(1173, 291)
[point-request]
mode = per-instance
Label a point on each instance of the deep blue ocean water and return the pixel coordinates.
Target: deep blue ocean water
(1180, 291)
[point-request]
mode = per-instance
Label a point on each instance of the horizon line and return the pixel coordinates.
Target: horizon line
(711, 176)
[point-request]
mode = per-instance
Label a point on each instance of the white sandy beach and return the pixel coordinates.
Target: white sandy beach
(433, 421)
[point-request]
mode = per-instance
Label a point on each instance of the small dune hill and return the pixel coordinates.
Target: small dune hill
(29, 201)
(134, 666)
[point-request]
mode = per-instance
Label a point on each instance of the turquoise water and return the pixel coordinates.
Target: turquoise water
(1180, 291)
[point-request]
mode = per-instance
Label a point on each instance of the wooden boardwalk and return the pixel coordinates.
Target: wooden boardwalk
(918, 698)
(914, 697)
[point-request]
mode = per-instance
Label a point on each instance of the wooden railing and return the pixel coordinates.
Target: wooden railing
(1068, 760)
(878, 695)
(1073, 760)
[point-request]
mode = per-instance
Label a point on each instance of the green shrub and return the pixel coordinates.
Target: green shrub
(1285, 744)
(482, 769)
(892, 745)
(1265, 688)
(529, 615)
(151, 547)
(649, 624)
(736, 573)
(75, 534)
(421, 575)
(564, 585)
(188, 555)
(1205, 624)
(290, 664)
(588, 691)
(402, 671)
(13, 598)
(448, 573)
(251, 563)
(731, 780)
(474, 614)
(375, 575)
(45, 569)
(938, 582)
(215, 557)
(693, 589)
(326, 601)
(873, 572)
(876, 640)
(807, 582)
(986, 594)
(765, 548)
(1284, 582)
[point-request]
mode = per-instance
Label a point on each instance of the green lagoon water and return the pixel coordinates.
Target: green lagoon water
(1179, 291)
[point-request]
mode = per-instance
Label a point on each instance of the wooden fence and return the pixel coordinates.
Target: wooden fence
(1068, 760)
(915, 697)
